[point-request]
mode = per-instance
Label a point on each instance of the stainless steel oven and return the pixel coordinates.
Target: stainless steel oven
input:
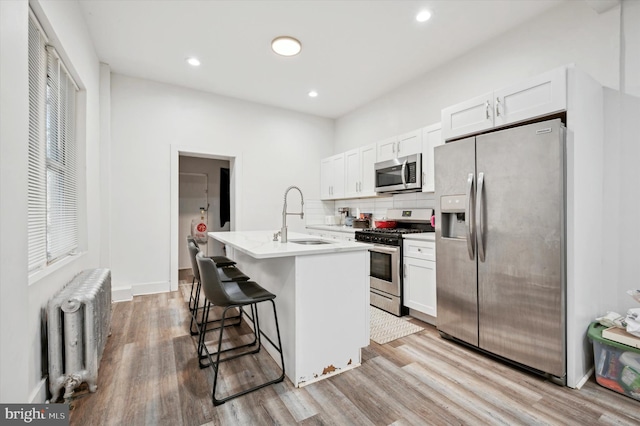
(385, 256)
(384, 275)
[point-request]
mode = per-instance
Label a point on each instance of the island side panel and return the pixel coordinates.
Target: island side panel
(332, 312)
(277, 276)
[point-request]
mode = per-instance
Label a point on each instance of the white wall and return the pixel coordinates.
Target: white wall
(14, 125)
(621, 159)
(277, 148)
(20, 379)
(571, 33)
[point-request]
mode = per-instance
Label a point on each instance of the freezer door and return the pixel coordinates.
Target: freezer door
(456, 277)
(521, 245)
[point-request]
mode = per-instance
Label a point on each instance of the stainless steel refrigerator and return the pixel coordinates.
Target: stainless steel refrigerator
(500, 244)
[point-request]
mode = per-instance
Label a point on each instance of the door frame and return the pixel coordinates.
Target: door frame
(235, 183)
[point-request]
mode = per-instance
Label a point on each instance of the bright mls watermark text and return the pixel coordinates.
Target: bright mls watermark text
(35, 414)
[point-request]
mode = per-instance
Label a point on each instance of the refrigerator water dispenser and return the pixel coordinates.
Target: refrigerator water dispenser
(453, 216)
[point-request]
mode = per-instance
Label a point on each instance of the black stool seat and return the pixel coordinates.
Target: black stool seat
(235, 295)
(222, 261)
(231, 273)
(246, 293)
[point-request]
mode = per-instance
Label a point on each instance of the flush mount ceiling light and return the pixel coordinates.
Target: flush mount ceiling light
(286, 46)
(313, 94)
(423, 16)
(194, 62)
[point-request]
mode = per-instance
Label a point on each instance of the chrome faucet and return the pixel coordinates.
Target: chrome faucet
(283, 231)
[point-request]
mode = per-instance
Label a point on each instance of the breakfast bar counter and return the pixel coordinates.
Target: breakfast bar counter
(322, 298)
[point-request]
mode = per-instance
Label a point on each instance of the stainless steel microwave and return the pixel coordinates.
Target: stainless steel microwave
(399, 174)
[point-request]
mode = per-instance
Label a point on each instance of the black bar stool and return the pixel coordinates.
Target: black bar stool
(228, 273)
(234, 295)
(221, 261)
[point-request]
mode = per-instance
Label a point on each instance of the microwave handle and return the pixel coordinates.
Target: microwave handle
(404, 170)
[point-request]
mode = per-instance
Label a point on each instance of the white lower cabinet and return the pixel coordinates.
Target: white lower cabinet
(420, 276)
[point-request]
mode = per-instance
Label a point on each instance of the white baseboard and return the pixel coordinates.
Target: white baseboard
(584, 379)
(121, 294)
(124, 294)
(422, 317)
(39, 393)
(151, 288)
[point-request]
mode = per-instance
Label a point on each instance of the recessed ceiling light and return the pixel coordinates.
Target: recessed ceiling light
(423, 16)
(286, 46)
(313, 94)
(194, 62)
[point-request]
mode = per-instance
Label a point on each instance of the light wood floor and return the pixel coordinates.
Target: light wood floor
(149, 376)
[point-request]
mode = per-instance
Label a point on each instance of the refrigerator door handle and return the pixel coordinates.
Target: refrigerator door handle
(469, 216)
(479, 217)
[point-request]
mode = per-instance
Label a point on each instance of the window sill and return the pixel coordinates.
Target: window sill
(56, 266)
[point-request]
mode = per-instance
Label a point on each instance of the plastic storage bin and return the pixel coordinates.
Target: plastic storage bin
(617, 366)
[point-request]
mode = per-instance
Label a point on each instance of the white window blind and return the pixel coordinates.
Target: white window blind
(53, 199)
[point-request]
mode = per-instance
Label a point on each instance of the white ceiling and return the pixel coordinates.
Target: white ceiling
(353, 51)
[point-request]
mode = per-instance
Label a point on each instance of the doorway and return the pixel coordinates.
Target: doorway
(204, 161)
(203, 200)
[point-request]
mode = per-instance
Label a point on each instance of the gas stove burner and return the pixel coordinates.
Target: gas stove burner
(393, 231)
(408, 222)
(406, 231)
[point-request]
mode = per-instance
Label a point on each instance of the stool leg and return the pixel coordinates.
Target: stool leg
(205, 315)
(256, 339)
(191, 296)
(196, 308)
(217, 401)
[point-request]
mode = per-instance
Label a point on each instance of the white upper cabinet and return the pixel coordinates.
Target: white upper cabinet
(352, 172)
(400, 146)
(409, 143)
(368, 159)
(387, 148)
(332, 177)
(360, 175)
(536, 97)
(468, 117)
(431, 137)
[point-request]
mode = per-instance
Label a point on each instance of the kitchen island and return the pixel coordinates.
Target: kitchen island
(322, 298)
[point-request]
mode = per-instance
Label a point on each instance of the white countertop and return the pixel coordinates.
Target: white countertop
(260, 244)
(424, 236)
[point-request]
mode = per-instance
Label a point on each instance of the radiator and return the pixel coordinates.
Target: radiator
(79, 321)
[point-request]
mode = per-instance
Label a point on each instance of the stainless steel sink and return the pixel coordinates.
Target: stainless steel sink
(310, 242)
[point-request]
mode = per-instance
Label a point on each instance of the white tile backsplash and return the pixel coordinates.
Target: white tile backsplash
(316, 210)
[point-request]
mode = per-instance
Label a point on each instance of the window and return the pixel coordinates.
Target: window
(53, 194)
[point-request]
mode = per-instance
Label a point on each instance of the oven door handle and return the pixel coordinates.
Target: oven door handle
(385, 250)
